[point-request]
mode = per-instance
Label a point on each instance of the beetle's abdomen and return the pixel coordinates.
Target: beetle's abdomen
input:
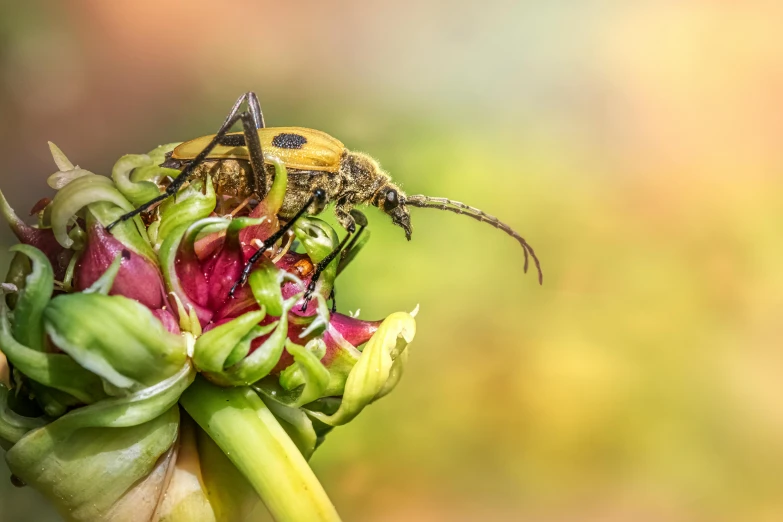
(232, 178)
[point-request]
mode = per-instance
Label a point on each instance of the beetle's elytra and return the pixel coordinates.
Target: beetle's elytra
(320, 171)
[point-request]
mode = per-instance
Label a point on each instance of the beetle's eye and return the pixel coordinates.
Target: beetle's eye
(392, 200)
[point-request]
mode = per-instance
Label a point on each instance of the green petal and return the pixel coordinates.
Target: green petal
(377, 370)
(265, 282)
(215, 347)
(307, 371)
(188, 206)
(18, 270)
(318, 240)
(12, 425)
(258, 364)
(78, 194)
(155, 173)
(87, 460)
(60, 159)
(84, 472)
(54, 370)
(114, 337)
(33, 298)
(136, 192)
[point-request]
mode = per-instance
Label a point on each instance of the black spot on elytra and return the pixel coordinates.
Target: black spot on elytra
(288, 140)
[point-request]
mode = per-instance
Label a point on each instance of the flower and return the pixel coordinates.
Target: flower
(139, 388)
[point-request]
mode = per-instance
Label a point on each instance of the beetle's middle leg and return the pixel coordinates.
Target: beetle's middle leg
(256, 157)
(318, 197)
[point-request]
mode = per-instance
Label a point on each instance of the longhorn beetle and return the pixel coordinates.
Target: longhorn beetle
(320, 171)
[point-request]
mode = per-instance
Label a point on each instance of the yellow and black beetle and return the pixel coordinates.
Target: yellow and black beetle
(320, 171)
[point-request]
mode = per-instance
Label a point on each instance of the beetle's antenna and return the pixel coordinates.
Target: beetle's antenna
(422, 201)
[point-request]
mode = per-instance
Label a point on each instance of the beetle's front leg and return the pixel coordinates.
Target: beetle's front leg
(342, 211)
(356, 218)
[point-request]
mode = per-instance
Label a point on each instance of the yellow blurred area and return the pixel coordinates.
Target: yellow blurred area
(635, 145)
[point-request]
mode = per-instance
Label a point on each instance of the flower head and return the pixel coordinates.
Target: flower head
(133, 334)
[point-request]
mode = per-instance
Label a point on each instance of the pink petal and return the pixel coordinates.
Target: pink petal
(260, 232)
(43, 240)
(223, 270)
(137, 279)
(169, 321)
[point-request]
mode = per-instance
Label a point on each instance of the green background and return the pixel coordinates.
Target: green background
(636, 145)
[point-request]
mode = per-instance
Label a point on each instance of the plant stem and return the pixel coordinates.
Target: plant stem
(250, 436)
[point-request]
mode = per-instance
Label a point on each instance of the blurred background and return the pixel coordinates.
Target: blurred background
(636, 145)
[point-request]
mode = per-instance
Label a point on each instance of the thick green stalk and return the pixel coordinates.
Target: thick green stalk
(247, 432)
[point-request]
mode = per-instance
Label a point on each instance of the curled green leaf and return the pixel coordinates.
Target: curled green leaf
(78, 194)
(114, 337)
(214, 348)
(60, 179)
(195, 202)
(154, 172)
(54, 370)
(12, 425)
(86, 461)
(381, 360)
(318, 240)
(265, 282)
(136, 192)
(33, 298)
(307, 371)
(84, 473)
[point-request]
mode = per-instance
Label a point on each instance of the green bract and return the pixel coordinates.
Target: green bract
(133, 388)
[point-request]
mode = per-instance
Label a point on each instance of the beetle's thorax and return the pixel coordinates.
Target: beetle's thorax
(362, 177)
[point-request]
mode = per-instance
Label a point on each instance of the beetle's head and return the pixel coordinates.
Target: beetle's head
(391, 200)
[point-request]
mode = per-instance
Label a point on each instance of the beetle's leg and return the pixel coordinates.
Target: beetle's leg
(261, 184)
(318, 197)
(346, 256)
(342, 211)
(253, 105)
(333, 297)
(256, 161)
(357, 218)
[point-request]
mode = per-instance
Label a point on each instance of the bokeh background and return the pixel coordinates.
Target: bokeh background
(636, 145)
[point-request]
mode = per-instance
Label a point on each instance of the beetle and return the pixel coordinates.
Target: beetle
(321, 170)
